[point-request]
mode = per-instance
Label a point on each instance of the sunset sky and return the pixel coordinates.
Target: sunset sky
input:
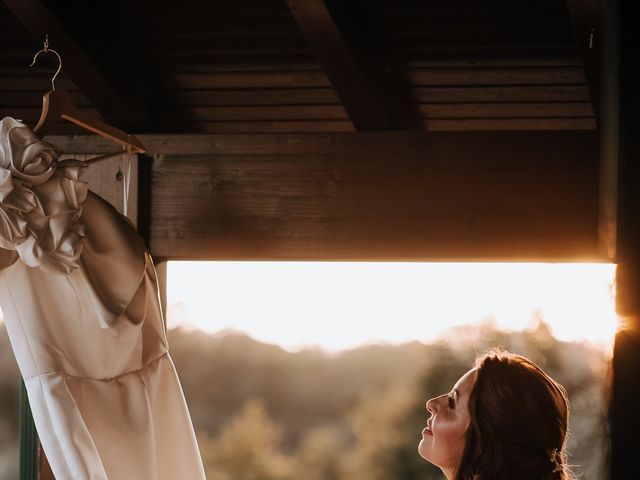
(337, 305)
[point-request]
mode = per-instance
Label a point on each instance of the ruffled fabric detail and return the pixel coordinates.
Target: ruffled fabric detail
(40, 200)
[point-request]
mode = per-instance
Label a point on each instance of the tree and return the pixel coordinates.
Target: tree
(321, 454)
(379, 427)
(248, 449)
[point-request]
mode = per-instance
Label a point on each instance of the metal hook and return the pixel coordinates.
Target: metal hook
(46, 49)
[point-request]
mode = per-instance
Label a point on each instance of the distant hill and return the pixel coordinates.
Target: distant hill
(219, 373)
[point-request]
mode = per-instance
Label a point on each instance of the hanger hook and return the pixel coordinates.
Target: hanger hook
(46, 49)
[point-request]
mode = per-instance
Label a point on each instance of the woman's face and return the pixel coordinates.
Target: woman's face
(443, 438)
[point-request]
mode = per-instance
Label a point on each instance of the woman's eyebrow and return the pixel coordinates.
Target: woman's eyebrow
(455, 395)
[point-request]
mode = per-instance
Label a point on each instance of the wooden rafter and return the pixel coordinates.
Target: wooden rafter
(111, 92)
(588, 33)
(340, 48)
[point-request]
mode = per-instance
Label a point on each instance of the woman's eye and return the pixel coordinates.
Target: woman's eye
(450, 402)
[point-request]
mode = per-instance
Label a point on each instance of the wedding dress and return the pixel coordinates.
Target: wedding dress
(80, 301)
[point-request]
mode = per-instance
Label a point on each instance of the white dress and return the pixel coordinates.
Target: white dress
(80, 301)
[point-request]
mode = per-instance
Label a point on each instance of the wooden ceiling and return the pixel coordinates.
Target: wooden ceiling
(266, 66)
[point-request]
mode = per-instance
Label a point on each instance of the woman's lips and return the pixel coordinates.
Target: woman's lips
(427, 431)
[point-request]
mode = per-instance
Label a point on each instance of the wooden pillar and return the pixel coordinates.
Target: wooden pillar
(44, 469)
(144, 227)
(624, 411)
(28, 440)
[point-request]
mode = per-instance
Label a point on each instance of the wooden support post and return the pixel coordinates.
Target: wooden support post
(28, 440)
(44, 469)
(624, 412)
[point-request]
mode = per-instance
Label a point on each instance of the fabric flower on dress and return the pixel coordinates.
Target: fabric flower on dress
(25, 155)
(40, 200)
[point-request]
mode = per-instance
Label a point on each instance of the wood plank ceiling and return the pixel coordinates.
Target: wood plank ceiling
(264, 66)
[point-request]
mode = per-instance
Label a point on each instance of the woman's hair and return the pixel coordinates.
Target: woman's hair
(519, 418)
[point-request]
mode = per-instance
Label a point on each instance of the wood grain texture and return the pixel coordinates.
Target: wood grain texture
(326, 96)
(509, 196)
(274, 66)
(431, 125)
(109, 92)
(44, 469)
(343, 48)
(106, 178)
(556, 75)
(508, 124)
(274, 126)
(586, 18)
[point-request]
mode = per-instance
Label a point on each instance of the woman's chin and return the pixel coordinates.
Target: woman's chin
(423, 449)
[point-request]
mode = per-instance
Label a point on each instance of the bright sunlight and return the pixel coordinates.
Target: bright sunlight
(340, 305)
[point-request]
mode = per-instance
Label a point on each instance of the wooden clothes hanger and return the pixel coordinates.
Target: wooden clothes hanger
(57, 104)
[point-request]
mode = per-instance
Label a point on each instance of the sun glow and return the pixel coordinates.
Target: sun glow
(338, 305)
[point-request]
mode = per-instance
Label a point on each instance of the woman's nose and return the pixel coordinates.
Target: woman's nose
(433, 404)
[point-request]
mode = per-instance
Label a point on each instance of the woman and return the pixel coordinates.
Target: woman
(505, 419)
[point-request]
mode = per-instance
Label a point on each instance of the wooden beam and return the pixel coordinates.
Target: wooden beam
(342, 50)
(44, 469)
(440, 196)
(586, 19)
(113, 91)
(373, 196)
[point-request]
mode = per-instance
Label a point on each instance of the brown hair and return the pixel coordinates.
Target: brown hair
(519, 418)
